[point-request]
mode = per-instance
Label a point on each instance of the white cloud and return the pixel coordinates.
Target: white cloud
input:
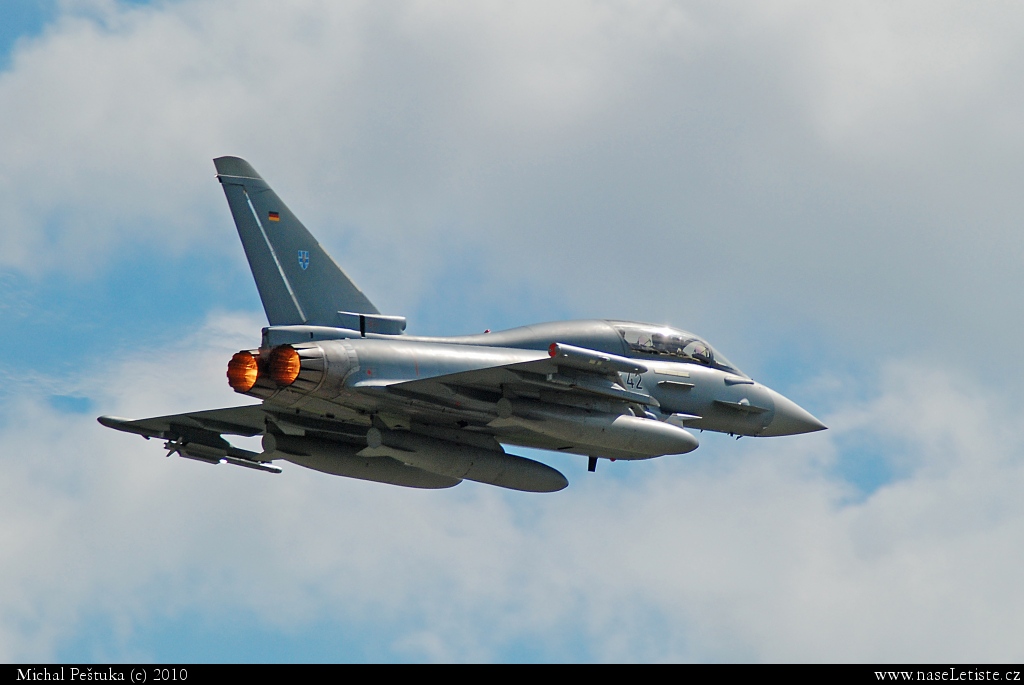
(796, 167)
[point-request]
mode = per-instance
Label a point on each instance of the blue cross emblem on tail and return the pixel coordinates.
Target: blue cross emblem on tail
(304, 259)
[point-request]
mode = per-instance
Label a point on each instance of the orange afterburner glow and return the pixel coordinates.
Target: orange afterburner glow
(242, 372)
(284, 365)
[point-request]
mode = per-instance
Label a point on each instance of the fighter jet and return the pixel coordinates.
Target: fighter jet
(345, 391)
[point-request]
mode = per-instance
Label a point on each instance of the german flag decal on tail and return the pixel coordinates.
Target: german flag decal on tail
(273, 216)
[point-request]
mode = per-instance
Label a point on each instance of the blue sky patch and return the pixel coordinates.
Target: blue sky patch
(22, 19)
(70, 404)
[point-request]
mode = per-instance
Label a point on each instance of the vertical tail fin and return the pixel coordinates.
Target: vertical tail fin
(298, 281)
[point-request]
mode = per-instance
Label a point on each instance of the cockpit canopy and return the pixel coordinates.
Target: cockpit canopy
(675, 345)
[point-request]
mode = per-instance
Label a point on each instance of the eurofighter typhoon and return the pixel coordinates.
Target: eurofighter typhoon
(345, 391)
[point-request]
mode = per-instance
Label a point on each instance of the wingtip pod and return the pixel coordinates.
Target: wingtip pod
(115, 422)
(235, 166)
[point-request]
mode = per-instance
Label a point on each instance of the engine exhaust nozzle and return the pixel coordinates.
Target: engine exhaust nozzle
(243, 371)
(284, 365)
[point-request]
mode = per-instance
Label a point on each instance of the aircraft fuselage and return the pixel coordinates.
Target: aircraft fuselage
(681, 393)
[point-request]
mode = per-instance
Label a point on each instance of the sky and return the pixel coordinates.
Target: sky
(829, 193)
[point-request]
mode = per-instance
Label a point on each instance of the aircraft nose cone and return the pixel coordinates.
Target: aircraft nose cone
(790, 418)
